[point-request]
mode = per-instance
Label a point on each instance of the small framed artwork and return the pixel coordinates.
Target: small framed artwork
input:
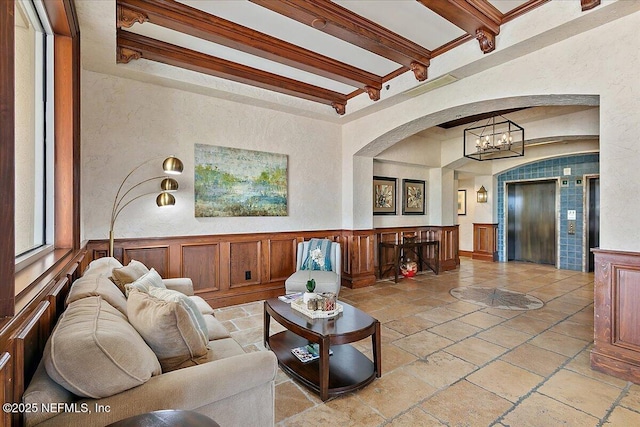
(413, 201)
(462, 202)
(384, 195)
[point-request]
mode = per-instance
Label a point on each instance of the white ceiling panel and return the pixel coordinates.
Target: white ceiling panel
(506, 6)
(407, 18)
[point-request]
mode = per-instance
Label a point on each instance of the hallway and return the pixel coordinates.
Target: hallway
(448, 362)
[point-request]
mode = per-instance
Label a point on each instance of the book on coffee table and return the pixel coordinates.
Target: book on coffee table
(309, 352)
(290, 297)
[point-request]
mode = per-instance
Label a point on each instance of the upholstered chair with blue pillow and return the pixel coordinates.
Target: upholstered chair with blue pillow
(327, 273)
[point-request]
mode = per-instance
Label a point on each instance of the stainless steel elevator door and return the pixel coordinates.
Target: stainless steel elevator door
(532, 232)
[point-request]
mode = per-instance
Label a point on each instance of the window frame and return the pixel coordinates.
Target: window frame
(45, 154)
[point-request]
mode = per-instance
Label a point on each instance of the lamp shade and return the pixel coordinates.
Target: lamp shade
(165, 199)
(169, 184)
(172, 165)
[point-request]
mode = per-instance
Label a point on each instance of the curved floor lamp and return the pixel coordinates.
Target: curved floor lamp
(172, 166)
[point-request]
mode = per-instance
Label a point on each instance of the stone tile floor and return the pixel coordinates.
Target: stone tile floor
(450, 363)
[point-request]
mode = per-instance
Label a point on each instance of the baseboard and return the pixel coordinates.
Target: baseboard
(465, 253)
(615, 367)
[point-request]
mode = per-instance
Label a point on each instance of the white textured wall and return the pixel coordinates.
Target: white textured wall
(401, 172)
(564, 67)
(125, 122)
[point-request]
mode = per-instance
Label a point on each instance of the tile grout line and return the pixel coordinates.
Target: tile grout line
(547, 378)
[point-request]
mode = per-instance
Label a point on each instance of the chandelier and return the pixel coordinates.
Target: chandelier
(498, 138)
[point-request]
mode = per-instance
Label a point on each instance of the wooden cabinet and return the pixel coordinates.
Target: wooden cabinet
(485, 242)
(616, 349)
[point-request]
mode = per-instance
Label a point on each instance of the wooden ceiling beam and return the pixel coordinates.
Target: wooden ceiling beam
(185, 19)
(133, 46)
(477, 17)
(331, 18)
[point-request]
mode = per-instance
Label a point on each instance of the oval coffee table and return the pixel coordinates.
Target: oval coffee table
(346, 369)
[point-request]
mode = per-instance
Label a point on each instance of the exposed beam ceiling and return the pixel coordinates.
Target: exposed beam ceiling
(134, 46)
(477, 17)
(331, 18)
(318, 50)
(188, 20)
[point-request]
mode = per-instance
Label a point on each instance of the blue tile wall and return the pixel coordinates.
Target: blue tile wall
(571, 197)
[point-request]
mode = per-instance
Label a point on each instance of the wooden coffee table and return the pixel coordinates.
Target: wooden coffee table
(346, 369)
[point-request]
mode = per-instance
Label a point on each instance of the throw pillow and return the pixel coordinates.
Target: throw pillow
(98, 285)
(147, 281)
(129, 274)
(95, 352)
(324, 261)
(194, 314)
(167, 327)
(103, 266)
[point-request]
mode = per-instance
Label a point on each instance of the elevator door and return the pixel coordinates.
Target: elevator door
(532, 232)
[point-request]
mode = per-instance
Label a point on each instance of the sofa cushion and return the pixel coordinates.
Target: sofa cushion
(129, 274)
(43, 390)
(103, 266)
(215, 329)
(98, 285)
(219, 349)
(202, 305)
(94, 351)
(168, 328)
(194, 314)
(151, 279)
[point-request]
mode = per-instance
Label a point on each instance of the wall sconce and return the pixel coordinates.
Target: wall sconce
(172, 166)
(483, 195)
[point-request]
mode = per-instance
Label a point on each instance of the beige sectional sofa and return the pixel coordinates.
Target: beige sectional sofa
(111, 357)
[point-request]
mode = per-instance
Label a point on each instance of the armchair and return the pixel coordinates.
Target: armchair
(326, 281)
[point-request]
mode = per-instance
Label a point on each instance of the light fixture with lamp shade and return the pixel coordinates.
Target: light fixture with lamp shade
(172, 166)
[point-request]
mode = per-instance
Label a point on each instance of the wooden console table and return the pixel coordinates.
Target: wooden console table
(410, 245)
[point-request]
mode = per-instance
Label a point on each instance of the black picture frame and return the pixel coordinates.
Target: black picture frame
(462, 202)
(413, 197)
(384, 195)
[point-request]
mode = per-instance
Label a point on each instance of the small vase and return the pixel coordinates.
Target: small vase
(307, 296)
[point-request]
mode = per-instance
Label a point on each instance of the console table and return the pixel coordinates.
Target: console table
(410, 245)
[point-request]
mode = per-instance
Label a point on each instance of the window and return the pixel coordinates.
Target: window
(33, 129)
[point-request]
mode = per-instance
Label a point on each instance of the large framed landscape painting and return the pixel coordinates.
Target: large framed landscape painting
(237, 182)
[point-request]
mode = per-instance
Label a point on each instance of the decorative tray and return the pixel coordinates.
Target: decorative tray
(300, 306)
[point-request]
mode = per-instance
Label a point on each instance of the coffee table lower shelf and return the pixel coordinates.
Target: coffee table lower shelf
(349, 369)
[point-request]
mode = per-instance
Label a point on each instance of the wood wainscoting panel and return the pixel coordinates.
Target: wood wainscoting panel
(485, 242)
(616, 349)
(245, 264)
(218, 264)
(626, 306)
(153, 257)
(358, 263)
(201, 263)
(28, 344)
(280, 258)
(6, 392)
(57, 297)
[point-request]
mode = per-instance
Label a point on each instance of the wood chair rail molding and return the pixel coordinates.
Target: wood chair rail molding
(616, 349)
(229, 269)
